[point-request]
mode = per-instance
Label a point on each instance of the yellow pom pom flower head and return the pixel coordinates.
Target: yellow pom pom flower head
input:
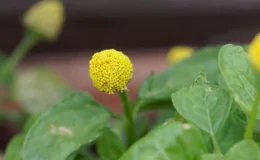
(46, 18)
(110, 71)
(179, 53)
(254, 52)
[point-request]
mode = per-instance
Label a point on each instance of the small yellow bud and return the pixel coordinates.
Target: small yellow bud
(254, 52)
(110, 70)
(179, 53)
(46, 18)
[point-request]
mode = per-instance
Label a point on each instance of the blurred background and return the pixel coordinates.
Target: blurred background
(128, 24)
(142, 29)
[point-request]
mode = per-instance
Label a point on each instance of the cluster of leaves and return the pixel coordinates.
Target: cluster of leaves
(203, 104)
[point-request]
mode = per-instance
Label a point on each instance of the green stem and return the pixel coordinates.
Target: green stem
(129, 116)
(30, 39)
(252, 117)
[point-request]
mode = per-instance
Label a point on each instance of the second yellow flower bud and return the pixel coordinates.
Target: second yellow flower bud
(46, 18)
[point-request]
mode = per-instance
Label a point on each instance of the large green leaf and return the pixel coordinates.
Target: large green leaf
(110, 146)
(172, 140)
(156, 90)
(244, 150)
(38, 89)
(14, 148)
(203, 104)
(239, 76)
(76, 121)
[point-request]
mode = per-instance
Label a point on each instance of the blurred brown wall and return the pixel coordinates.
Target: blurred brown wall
(139, 24)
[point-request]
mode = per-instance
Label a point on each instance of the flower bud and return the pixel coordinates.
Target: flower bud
(45, 17)
(179, 53)
(254, 52)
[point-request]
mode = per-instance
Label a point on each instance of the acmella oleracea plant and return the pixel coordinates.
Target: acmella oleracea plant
(207, 102)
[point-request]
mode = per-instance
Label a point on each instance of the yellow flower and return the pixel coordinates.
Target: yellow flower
(179, 53)
(110, 70)
(46, 18)
(254, 52)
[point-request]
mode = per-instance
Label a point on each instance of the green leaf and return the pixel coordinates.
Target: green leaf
(221, 81)
(207, 141)
(38, 89)
(155, 92)
(211, 157)
(233, 130)
(109, 145)
(256, 135)
(168, 141)
(84, 153)
(164, 115)
(203, 104)
(117, 126)
(14, 148)
(76, 121)
(244, 150)
(30, 121)
(257, 126)
(142, 125)
(239, 75)
(72, 156)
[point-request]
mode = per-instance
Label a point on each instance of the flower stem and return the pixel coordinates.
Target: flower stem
(129, 117)
(29, 40)
(252, 117)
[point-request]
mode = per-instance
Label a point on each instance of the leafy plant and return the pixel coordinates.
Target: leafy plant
(209, 121)
(207, 108)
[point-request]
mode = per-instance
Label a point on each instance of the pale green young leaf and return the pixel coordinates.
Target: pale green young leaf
(239, 75)
(38, 89)
(203, 104)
